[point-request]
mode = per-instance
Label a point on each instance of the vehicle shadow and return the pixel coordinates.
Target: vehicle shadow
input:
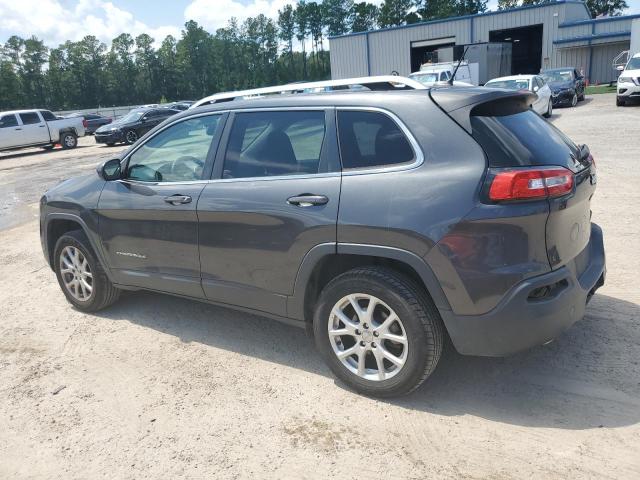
(588, 378)
(41, 151)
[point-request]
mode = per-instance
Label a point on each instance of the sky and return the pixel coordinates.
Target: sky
(56, 21)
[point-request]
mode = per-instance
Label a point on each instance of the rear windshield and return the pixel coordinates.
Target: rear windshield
(524, 139)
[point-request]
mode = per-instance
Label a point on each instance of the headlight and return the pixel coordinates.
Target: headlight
(625, 80)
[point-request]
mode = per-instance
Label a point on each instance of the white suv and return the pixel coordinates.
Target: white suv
(629, 82)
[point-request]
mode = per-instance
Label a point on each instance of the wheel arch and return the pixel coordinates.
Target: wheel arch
(57, 224)
(324, 262)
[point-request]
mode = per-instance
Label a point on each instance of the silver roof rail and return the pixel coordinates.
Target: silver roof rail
(382, 82)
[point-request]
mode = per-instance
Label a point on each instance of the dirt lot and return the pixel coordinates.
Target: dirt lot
(157, 387)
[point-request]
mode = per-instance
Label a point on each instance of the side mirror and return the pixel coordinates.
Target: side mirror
(620, 68)
(536, 88)
(109, 170)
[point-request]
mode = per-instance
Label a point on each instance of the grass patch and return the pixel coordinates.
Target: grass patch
(596, 89)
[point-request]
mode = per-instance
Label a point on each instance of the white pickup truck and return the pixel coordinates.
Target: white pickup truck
(39, 128)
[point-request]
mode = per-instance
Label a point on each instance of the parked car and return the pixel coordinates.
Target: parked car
(38, 128)
(94, 121)
(432, 73)
(382, 222)
(567, 85)
(628, 87)
(181, 105)
(535, 84)
(132, 126)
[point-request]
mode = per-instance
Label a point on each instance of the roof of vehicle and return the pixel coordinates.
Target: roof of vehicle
(557, 69)
(28, 110)
(513, 77)
(448, 97)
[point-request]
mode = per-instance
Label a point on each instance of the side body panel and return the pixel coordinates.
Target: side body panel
(148, 242)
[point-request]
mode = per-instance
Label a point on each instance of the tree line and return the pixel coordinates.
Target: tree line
(257, 52)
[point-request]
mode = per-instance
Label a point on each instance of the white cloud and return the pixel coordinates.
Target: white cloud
(55, 23)
(214, 14)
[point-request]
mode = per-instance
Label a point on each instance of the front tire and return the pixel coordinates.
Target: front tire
(69, 140)
(80, 274)
(549, 111)
(378, 331)
(620, 102)
(131, 137)
(574, 100)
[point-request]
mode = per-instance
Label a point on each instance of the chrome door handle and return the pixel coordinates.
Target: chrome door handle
(178, 199)
(307, 200)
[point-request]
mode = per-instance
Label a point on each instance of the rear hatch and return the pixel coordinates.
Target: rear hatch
(530, 160)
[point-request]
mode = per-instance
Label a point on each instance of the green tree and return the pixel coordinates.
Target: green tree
(287, 31)
(194, 53)
(337, 16)
(394, 12)
(302, 30)
(606, 7)
(507, 4)
(365, 17)
(168, 68)
(146, 68)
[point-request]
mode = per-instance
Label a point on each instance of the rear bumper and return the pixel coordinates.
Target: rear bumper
(519, 322)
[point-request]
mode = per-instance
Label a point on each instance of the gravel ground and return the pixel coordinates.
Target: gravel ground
(158, 387)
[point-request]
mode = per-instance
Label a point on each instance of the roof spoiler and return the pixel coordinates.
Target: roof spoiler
(461, 103)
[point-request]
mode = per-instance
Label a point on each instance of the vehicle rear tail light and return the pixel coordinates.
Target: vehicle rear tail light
(530, 183)
(85, 124)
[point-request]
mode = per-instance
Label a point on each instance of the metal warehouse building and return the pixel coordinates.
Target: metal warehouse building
(554, 34)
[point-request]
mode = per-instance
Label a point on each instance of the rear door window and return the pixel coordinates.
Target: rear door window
(29, 118)
(7, 121)
(264, 144)
(47, 115)
(524, 139)
(371, 139)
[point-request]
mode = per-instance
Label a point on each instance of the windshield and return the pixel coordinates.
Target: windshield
(558, 76)
(634, 64)
(509, 84)
(425, 78)
(132, 116)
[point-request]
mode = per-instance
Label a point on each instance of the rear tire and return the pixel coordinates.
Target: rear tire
(80, 275)
(69, 140)
(417, 335)
(549, 110)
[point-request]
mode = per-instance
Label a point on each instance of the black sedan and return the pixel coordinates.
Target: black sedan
(94, 121)
(567, 86)
(133, 125)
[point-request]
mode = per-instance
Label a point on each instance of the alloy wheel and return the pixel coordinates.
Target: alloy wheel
(368, 337)
(574, 100)
(132, 136)
(76, 273)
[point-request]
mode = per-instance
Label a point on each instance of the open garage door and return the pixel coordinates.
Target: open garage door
(424, 51)
(526, 54)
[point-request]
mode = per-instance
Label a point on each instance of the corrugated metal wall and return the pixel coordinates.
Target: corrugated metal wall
(635, 36)
(390, 49)
(349, 56)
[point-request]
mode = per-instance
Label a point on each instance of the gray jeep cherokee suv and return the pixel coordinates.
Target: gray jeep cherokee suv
(381, 222)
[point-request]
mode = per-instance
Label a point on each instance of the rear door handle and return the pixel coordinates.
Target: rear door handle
(307, 200)
(178, 199)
